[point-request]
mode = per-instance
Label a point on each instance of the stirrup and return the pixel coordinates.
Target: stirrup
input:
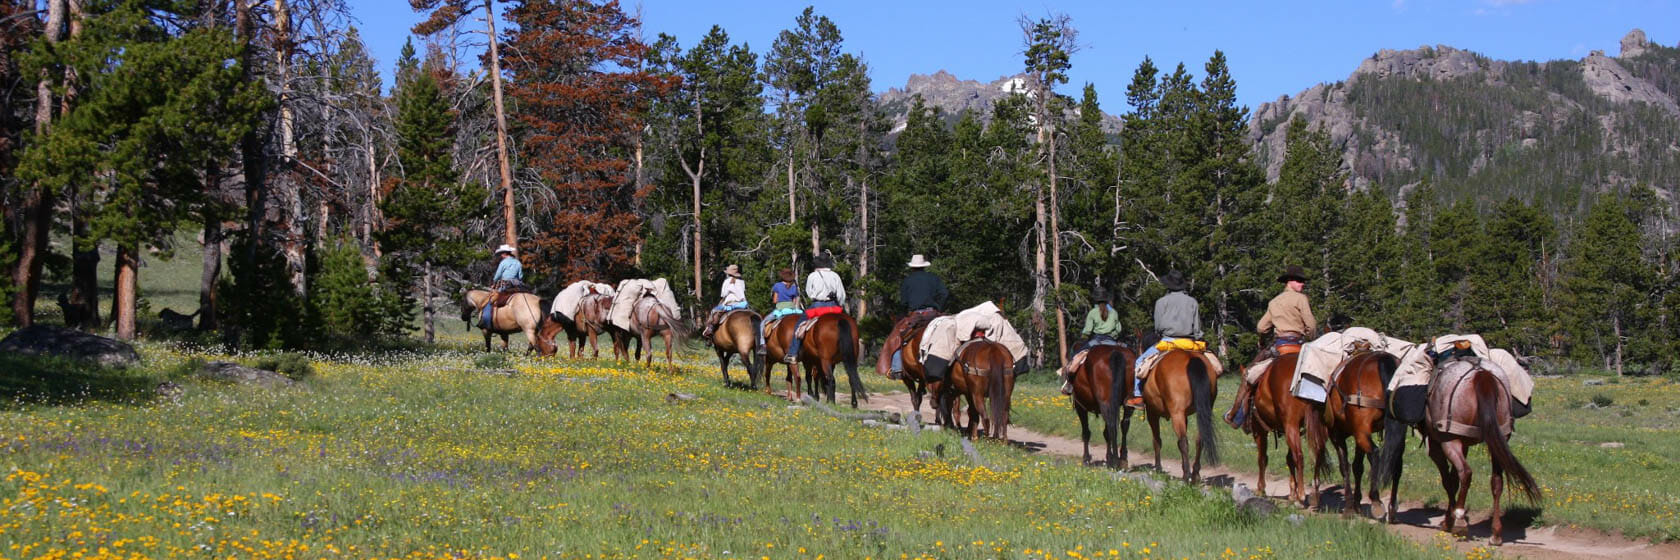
(1067, 388)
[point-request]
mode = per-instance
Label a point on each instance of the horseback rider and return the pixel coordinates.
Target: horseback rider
(733, 296)
(923, 293)
(1289, 318)
(1177, 315)
(785, 294)
(825, 289)
(1102, 326)
(508, 279)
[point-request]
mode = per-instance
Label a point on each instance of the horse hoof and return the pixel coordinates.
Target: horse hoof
(1495, 540)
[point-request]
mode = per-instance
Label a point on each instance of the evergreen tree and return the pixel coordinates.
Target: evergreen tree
(1089, 212)
(1416, 313)
(1507, 303)
(1453, 239)
(343, 304)
(1307, 207)
(1605, 287)
(1367, 262)
(1222, 171)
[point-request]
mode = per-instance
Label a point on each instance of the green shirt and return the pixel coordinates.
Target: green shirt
(1095, 324)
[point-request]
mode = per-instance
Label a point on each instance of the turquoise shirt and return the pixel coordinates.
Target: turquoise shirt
(509, 269)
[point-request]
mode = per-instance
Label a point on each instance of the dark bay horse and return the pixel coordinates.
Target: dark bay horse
(1467, 406)
(1181, 385)
(1277, 412)
(778, 336)
(832, 341)
(906, 337)
(1100, 386)
(983, 373)
(1353, 407)
(738, 334)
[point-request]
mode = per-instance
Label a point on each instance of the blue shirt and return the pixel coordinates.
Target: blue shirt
(509, 269)
(785, 291)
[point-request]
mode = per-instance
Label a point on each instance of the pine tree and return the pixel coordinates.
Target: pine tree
(1223, 172)
(1306, 209)
(1090, 206)
(1416, 313)
(1367, 262)
(1605, 287)
(1506, 303)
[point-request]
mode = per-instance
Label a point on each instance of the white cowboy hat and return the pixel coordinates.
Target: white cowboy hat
(917, 261)
(505, 248)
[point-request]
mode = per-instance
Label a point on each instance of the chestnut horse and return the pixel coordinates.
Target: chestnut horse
(738, 334)
(983, 373)
(1472, 400)
(522, 313)
(832, 341)
(589, 322)
(778, 336)
(906, 337)
(649, 318)
(1277, 412)
(1101, 385)
(1179, 386)
(1353, 407)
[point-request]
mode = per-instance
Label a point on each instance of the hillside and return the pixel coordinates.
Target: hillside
(953, 95)
(1474, 126)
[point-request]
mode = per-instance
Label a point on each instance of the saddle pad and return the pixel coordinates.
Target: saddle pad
(727, 314)
(804, 327)
(815, 312)
(1283, 349)
(1208, 358)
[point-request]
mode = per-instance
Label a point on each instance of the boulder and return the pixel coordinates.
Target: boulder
(234, 373)
(47, 340)
(1634, 43)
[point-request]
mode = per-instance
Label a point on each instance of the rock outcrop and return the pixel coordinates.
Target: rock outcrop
(47, 340)
(234, 373)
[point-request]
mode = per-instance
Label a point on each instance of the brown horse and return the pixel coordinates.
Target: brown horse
(1101, 385)
(906, 338)
(738, 334)
(1353, 407)
(1471, 400)
(1181, 385)
(832, 341)
(522, 313)
(777, 338)
(1277, 412)
(649, 318)
(982, 372)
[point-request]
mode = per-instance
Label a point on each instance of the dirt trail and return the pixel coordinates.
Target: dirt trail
(1414, 521)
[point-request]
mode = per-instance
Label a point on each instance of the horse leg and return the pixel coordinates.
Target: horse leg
(1181, 426)
(915, 394)
(723, 364)
(1084, 430)
(504, 343)
(1155, 432)
(1297, 463)
(667, 335)
(1350, 486)
(974, 416)
(1260, 460)
(1125, 434)
(486, 341)
(829, 382)
(1454, 450)
(1449, 481)
(1496, 484)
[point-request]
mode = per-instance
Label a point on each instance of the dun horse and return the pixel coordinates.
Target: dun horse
(1353, 407)
(649, 318)
(738, 334)
(1470, 405)
(1100, 385)
(906, 338)
(777, 338)
(523, 313)
(832, 341)
(1181, 385)
(982, 372)
(1277, 412)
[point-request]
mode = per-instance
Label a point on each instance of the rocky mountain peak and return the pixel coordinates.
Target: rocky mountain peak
(1633, 44)
(1439, 62)
(954, 95)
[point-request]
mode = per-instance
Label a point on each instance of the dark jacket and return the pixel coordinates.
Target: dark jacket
(922, 289)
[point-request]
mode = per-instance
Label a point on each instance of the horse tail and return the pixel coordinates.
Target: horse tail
(1393, 450)
(1201, 392)
(1317, 433)
(846, 348)
(1118, 386)
(997, 396)
(1490, 395)
(678, 328)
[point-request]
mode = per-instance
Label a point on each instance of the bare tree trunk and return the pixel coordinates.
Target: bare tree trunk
(212, 270)
(289, 190)
(252, 152)
(1616, 328)
(375, 217)
(511, 235)
(123, 306)
(37, 204)
(863, 255)
(430, 310)
(326, 217)
(793, 217)
(1056, 252)
(695, 173)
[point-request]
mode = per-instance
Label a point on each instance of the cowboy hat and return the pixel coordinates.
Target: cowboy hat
(1100, 295)
(917, 261)
(732, 270)
(1293, 272)
(822, 261)
(505, 248)
(786, 274)
(1174, 281)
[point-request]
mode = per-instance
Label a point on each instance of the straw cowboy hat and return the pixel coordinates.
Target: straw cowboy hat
(732, 270)
(918, 261)
(505, 248)
(1294, 272)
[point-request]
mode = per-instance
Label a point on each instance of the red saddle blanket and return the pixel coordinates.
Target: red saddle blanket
(815, 312)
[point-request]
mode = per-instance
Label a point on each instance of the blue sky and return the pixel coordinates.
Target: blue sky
(1275, 47)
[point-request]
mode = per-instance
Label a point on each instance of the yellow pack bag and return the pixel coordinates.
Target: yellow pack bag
(1181, 344)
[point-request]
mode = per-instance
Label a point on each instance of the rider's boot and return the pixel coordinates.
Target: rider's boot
(1239, 408)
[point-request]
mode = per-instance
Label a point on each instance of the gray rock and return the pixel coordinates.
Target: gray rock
(1611, 445)
(871, 423)
(47, 340)
(1634, 43)
(1257, 506)
(1295, 519)
(1592, 382)
(1150, 482)
(1240, 493)
(234, 373)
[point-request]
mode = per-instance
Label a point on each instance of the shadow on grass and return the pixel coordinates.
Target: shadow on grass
(36, 381)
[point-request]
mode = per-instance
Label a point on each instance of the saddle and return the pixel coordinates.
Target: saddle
(915, 320)
(1355, 399)
(504, 291)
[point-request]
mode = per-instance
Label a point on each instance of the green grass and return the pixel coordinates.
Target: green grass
(424, 455)
(1633, 489)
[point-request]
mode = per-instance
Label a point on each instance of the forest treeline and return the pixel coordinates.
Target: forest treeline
(349, 207)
